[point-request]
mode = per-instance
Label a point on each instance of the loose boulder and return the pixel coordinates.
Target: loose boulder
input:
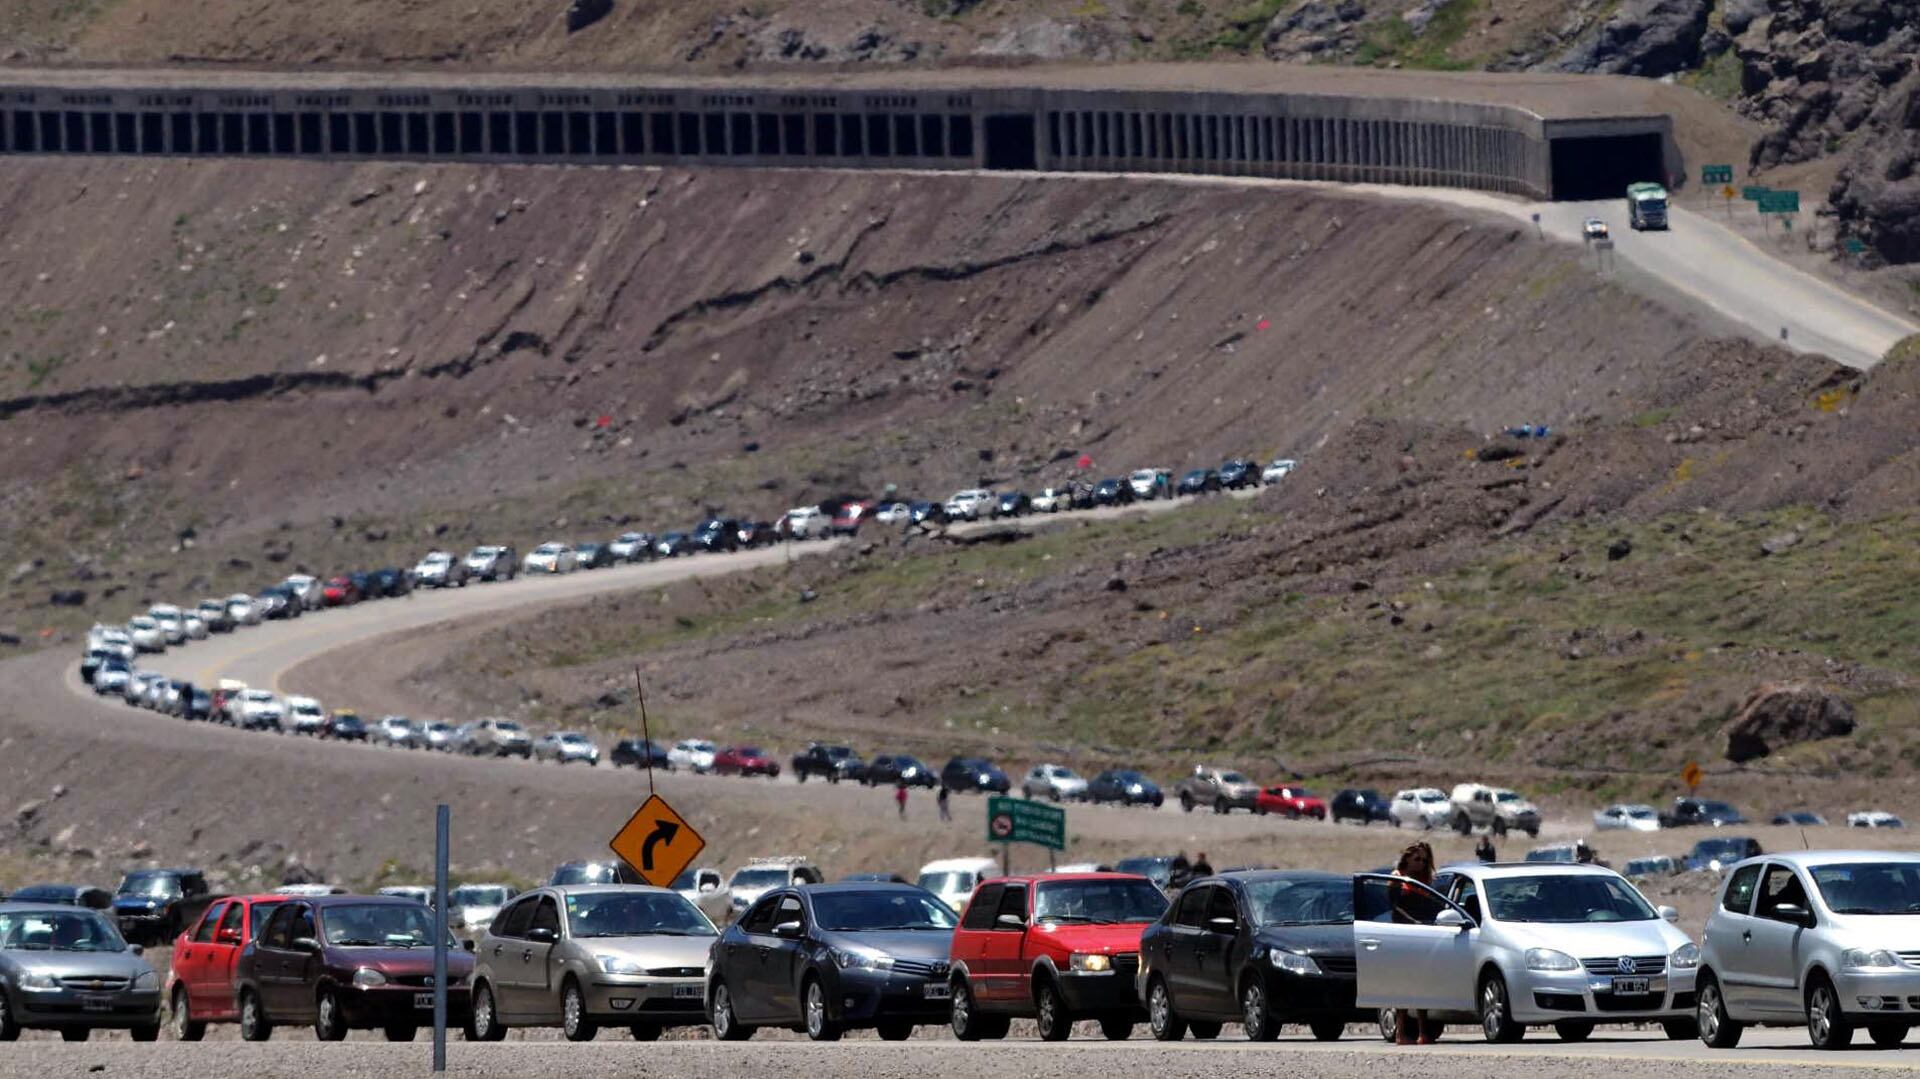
(1781, 714)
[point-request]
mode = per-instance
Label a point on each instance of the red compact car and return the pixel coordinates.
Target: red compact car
(1058, 947)
(1293, 802)
(200, 984)
(745, 761)
(340, 592)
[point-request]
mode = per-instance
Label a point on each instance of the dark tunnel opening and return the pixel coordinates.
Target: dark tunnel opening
(1009, 142)
(1601, 167)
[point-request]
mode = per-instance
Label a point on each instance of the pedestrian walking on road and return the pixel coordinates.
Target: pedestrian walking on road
(900, 797)
(941, 800)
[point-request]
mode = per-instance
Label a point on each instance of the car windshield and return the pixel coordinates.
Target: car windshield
(1431, 796)
(1505, 796)
(1565, 898)
(478, 895)
(635, 914)
(1718, 809)
(839, 752)
(1197, 475)
(58, 931)
(1870, 887)
(258, 696)
(1099, 902)
(759, 878)
(550, 548)
(1639, 812)
(1720, 848)
(436, 560)
(748, 751)
(584, 873)
(1232, 777)
(378, 925)
(879, 910)
(162, 884)
(1127, 777)
(1301, 902)
(948, 883)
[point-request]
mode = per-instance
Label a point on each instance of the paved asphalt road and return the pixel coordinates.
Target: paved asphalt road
(1623, 1055)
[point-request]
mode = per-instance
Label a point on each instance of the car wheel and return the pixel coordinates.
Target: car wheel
(1389, 1024)
(1050, 1013)
(1499, 827)
(820, 1025)
(1573, 1030)
(726, 1025)
(179, 1015)
(1256, 1015)
(969, 1023)
(1496, 1015)
(329, 1024)
(254, 1025)
(1259, 810)
(74, 1034)
(485, 1024)
(1161, 1020)
(1888, 1035)
(1115, 1028)
(1186, 802)
(1827, 1025)
(1716, 1029)
(400, 1032)
(1220, 806)
(1205, 1032)
(573, 1015)
(894, 1032)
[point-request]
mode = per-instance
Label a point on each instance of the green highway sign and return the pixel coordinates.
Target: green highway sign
(1752, 194)
(1716, 174)
(1780, 202)
(1016, 820)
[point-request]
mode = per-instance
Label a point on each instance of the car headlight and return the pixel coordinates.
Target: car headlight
(1863, 959)
(1292, 962)
(1548, 959)
(1685, 957)
(146, 979)
(1135, 788)
(1090, 963)
(619, 964)
(38, 980)
(861, 959)
(367, 978)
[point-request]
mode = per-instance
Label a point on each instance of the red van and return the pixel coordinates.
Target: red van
(200, 984)
(1056, 947)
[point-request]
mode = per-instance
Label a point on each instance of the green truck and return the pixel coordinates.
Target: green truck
(1646, 206)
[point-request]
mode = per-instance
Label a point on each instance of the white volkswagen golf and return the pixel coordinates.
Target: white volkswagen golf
(1826, 938)
(1511, 946)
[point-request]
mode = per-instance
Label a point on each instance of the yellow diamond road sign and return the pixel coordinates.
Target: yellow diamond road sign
(658, 843)
(1691, 774)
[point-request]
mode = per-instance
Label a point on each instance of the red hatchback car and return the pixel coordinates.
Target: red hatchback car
(745, 761)
(1058, 947)
(340, 592)
(200, 985)
(1293, 802)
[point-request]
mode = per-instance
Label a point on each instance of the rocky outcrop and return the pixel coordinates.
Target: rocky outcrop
(1641, 37)
(1781, 714)
(1317, 29)
(1877, 193)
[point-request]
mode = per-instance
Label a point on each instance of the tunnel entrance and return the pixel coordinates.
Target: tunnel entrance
(1010, 142)
(1601, 167)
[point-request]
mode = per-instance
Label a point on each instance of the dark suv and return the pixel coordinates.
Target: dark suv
(346, 962)
(975, 774)
(153, 905)
(835, 763)
(1364, 805)
(888, 769)
(717, 534)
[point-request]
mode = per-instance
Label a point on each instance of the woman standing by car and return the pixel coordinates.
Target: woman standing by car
(1414, 906)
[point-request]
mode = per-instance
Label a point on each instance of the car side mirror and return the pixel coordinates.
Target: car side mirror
(1670, 914)
(306, 944)
(542, 935)
(137, 949)
(227, 936)
(1009, 921)
(1451, 918)
(787, 930)
(1223, 925)
(1794, 913)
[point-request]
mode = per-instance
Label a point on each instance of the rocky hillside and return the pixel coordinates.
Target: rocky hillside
(1833, 80)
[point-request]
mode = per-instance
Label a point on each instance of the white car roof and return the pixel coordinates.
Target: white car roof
(1807, 859)
(1536, 869)
(302, 702)
(959, 865)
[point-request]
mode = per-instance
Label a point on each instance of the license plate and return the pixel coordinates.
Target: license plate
(96, 1002)
(423, 1000)
(688, 992)
(938, 991)
(1630, 985)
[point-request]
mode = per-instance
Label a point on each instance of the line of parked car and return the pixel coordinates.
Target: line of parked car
(1825, 939)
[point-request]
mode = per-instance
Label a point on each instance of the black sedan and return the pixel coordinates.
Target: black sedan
(1200, 481)
(757, 534)
(1125, 787)
(930, 513)
(888, 769)
(1012, 504)
(1363, 804)
(1260, 948)
(974, 774)
(673, 545)
(347, 727)
(639, 753)
(717, 534)
(391, 581)
(827, 958)
(1112, 493)
(592, 555)
(1239, 472)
